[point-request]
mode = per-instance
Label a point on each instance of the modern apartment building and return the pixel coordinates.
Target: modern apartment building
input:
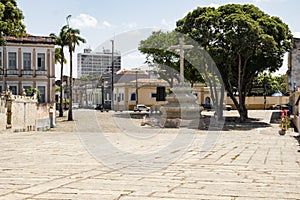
(97, 63)
(28, 62)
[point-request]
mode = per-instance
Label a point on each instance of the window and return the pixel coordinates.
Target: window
(27, 61)
(41, 61)
(132, 97)
(153, 95)
(42, 91)
(13, 90)
(161, 93)
(1, 89)
(12, 60)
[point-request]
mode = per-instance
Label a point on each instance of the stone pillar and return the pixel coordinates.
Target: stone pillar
(9, 110)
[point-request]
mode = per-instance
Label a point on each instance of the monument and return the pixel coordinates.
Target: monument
(181, 106)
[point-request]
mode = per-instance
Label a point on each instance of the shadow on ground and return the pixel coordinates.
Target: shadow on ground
(232, 123)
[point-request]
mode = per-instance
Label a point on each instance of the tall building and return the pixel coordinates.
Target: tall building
(97, 63)
(293, 72)
(28, 62)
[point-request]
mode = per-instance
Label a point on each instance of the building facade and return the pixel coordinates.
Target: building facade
(97, 63)
(28, 62)
(293, 73)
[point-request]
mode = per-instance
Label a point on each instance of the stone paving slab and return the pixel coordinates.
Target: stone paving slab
(253, 164)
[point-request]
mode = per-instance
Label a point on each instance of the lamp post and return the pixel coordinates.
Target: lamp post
(112, 74)
(136, 88)
(102, 92)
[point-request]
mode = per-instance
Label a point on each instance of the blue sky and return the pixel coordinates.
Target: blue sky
(100, 20)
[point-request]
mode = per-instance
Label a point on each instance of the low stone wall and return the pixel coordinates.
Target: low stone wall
(43, 116)
(3, 111)
(21, 113)
(257, 102)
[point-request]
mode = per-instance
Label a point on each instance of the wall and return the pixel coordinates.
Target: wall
(3, 110)
(257, 102)
(21, 113)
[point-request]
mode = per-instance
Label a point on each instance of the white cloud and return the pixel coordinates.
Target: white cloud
(84, 21)
(106, 24)
(296, 34)
(214, 5)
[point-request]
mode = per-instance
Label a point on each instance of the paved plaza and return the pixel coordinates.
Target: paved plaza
(110, 156)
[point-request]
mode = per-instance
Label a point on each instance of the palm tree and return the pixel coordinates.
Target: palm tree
(61, 41)
(73, 40)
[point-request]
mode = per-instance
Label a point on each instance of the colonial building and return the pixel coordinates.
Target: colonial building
(28, 62)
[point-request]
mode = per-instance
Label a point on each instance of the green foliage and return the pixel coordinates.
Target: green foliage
(10, 20)
(166, 63)
(242, 40)
(268, 82)
(31, 91)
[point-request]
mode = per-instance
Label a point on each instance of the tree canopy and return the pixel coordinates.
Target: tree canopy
(165, 61)
(243, 41)
(10, 20)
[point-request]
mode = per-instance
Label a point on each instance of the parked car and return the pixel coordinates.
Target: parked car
(210, 107)
(75, 105)
(227, 107)
(141, 107)
(207, 106)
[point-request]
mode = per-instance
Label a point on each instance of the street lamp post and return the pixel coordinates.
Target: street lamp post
(112, 75)
(136, 89)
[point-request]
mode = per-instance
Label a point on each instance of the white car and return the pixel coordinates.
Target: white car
(75, 105)
(141, 107)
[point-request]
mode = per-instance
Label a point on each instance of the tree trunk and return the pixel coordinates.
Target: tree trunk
(243, 113)
(70, 113)
(61, 112)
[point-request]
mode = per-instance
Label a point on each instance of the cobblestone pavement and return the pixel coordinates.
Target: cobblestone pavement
(134, 162)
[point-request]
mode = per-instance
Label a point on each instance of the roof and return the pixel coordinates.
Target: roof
(30, 39)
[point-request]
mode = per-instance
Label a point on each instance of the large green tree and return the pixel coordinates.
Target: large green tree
(243, 41)
(61, 41)
(10, 20)
(74, 39)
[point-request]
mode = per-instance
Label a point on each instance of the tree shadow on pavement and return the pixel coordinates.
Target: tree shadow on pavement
(233, 123)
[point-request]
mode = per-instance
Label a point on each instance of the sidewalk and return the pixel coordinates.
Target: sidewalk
(57, 164)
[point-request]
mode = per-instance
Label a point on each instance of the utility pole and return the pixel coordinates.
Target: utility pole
(112, 74)
(136, 88)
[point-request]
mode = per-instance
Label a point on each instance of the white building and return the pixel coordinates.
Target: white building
(97, 63)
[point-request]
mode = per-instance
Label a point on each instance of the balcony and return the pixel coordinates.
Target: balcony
(41, 73)
(27, 72)
(12, 72)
